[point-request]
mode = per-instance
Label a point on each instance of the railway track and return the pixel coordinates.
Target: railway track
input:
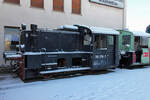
(69, 73)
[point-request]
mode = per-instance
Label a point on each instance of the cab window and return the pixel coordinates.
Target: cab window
(100, 42)
(87, 39)
(110, 40)
(126, 39)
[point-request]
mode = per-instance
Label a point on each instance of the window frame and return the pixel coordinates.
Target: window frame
(98, 45)
(10, 2)
(78, 13)
(56, 9)
(125, 39)
(33, 6)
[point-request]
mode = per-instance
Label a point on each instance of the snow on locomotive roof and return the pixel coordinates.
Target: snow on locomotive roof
(142, 34)
(95, 30)
(68, 27)
(101, 30)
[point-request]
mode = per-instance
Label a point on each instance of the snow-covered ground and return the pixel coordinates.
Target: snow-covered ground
(122, 84)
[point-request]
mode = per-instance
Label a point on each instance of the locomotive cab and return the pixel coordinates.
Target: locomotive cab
(105, 48)
(126, 46)
(66, 49)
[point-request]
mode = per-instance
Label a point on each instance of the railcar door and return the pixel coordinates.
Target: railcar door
(111, 46)
(100, 52)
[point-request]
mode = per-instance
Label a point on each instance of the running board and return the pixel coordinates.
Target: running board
(65, 70)
(49, 64)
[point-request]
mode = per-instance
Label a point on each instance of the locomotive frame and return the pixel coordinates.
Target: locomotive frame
(68, 48)
(77, 48)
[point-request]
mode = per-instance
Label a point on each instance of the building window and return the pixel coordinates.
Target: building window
(12, 1)
(76, 6)
(58, 5)
(11, 38)
(37, 3)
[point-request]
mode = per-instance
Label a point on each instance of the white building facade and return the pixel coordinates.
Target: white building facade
(46, 13)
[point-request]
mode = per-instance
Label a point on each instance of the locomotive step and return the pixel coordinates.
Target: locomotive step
(65, 70)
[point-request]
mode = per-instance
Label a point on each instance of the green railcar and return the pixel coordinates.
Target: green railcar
(126, 40)
(134, 48)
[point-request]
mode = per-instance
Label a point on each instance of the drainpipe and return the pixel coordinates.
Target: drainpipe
(124, 15)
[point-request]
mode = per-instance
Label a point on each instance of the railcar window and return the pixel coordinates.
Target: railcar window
(100, 42)
(141, 41)
(144, 41)
(110, 40)
(103, 41)
(11, 39)
(137, 43)
(126, 40)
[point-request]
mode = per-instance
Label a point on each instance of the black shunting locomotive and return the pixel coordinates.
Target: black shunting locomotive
(67, 48)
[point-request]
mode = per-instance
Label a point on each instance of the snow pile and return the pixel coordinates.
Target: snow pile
(121, 84)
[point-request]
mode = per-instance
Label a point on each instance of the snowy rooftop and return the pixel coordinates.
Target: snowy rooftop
(104, 30)
(142, 34)
(68, 27)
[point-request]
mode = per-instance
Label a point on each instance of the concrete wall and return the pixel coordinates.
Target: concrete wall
(91, 14)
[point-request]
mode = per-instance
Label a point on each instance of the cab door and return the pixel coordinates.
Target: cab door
(100, 58)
